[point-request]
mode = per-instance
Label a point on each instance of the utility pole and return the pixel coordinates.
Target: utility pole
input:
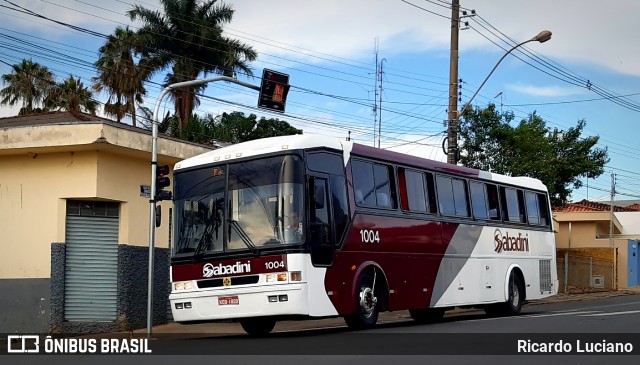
(375, 98)
(613, 195)
(380, 103)
(452, 133)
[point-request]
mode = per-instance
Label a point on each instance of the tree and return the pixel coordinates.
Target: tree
(188, 38)
(119, 75)
(232, 127)
(27, 84)
(558, 158)
(71, 95)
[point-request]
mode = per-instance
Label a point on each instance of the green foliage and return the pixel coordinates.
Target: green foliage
(558, 158)
(232, 127)
(28, 84)
(71, 95)
(188, 37)
(119, 75)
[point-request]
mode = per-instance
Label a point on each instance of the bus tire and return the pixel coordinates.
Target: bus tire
(427, 315)
(367, 311)
(513, 305)
(258, 326)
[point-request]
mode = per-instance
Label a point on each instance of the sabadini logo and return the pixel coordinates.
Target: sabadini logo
(209, 270)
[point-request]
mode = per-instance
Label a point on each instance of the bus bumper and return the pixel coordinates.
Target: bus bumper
(273, 300)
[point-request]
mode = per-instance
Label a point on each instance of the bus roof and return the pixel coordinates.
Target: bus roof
(308, 141)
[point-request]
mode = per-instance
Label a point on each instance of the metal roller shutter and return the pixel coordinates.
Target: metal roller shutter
(91, 279)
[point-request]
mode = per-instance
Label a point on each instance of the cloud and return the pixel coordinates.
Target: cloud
(589, 33)
(546, 91)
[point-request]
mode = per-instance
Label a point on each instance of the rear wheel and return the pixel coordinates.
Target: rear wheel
(366, 315)
(427, 315)
(513, 305)
(258, 326)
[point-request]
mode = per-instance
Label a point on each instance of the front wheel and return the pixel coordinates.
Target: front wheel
(366, 315)
(258, 326)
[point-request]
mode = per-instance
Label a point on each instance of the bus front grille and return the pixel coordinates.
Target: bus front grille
(239, 280)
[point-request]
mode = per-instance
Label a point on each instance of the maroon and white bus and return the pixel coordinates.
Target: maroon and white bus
(311, 226)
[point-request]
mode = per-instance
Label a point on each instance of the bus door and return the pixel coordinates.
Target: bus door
(320, 233)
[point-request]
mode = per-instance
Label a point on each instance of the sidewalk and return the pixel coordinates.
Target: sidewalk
(207, 329)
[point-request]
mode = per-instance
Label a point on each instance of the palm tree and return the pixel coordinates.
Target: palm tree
(188, 37)
(71, 95)
(28, 83)
(119, 75)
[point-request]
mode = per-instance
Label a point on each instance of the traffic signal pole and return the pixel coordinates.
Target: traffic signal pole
(154, 167)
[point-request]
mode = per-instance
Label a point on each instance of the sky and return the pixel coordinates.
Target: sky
(329, 50)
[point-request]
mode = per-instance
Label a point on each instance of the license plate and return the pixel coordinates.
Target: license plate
(234, 300)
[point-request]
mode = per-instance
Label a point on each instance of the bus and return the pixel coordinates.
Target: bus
(310, 226)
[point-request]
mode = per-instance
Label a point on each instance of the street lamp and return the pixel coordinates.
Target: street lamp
(154, 169)
(452, 151)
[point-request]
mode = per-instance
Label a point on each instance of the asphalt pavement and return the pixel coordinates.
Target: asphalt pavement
(232, 328)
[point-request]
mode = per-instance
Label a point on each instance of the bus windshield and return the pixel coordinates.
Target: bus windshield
(239, 206)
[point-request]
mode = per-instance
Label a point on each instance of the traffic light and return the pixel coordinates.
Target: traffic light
(273, 90)
(162, 181)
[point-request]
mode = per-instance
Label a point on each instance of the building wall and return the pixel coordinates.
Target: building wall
(43, 165)
(33, 193)
(120, 177)
(30, 190)
(30, 205)
(584, 235)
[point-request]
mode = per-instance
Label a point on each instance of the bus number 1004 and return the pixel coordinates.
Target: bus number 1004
(275, 265)
(369, 236)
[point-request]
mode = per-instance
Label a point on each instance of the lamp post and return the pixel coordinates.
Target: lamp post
(154, 166)
(452, 151)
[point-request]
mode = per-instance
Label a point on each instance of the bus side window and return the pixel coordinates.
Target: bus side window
(363, 183)
(533, 215)
(339, 205)
(544, 210)
(514, 202)
(431, 194)
(376, 184)
(452, 196)
(479, 200)
(383, 186)
(412, 190)
(493, 201)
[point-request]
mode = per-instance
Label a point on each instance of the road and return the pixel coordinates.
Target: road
(462, 337)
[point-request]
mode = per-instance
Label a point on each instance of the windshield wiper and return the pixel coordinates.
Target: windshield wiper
(243, 235)
(206, 236)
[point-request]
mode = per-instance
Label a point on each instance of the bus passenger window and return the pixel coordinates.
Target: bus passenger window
(363, 183)
(533, 215)
(544, 210)
(414, 189)
(383, 186)
(515, 205)
(494, 206)
(374, 183)
(452, 196)
(431, 194)
(479, 200)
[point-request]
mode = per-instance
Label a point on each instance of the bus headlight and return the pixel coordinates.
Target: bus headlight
(182, 285)
(271, 278)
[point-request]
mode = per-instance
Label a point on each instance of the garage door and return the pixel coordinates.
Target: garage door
(91, 277)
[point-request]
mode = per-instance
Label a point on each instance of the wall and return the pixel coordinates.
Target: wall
(40, 168)
(120, 177)
(581, 264)
(32, 187)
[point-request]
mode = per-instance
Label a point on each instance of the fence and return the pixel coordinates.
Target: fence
(581, 269)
